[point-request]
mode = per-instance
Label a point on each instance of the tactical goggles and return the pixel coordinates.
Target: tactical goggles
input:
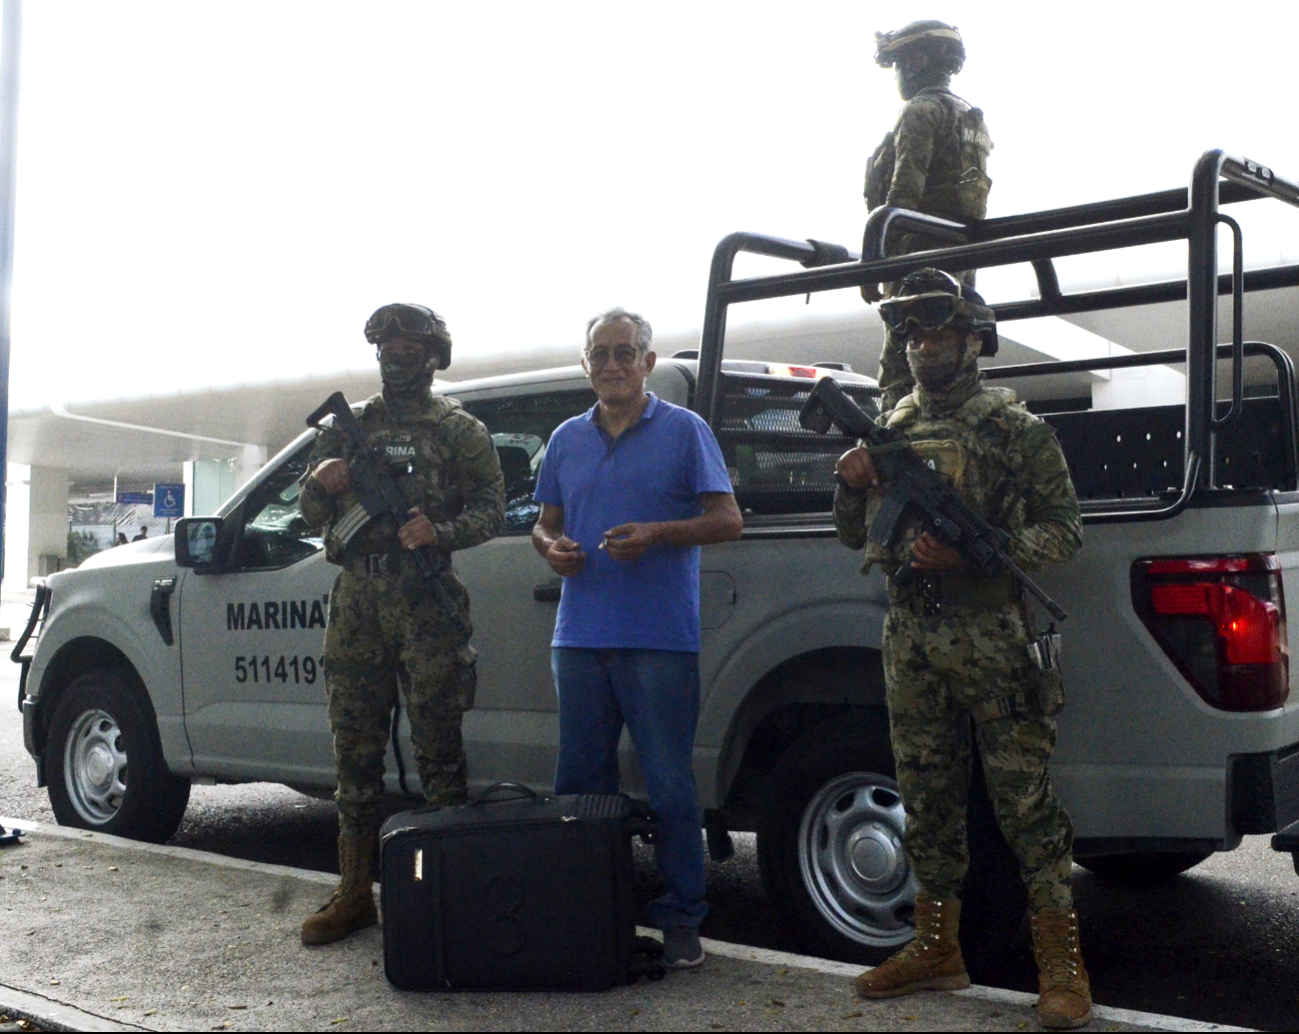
(887, 46)
(403, 321)
(928, 311)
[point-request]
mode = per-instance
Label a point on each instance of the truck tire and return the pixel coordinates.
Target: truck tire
(1142, 868)
(830, 851)
(98, 726)
(830, 845)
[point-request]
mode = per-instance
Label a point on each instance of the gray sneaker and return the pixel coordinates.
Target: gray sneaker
(681, 948)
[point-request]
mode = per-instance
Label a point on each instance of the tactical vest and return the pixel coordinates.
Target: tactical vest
(957, 183)
(424, 461)
(976, 451)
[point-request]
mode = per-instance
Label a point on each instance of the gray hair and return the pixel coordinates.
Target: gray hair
(644, 332)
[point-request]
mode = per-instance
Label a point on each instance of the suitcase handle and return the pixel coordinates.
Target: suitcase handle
(516, 792)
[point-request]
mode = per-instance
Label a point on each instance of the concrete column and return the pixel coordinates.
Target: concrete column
(17, 507)
(47, 522)
(248, 463)
(208, 484)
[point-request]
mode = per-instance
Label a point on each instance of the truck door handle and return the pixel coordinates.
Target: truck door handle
(548, 592)
(160, 607)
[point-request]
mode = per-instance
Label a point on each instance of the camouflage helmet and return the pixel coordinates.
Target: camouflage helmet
(416, 322)
(931, 298)
(935, 43)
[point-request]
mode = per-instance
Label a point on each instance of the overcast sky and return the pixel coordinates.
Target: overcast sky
(222, 192)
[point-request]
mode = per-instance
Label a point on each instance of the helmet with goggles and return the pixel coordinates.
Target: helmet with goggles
(927, 42)
(930, 298)
(414, 322)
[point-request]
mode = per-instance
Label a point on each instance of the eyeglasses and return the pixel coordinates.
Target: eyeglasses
(625, 356)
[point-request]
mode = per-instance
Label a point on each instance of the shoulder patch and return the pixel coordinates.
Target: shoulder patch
(905, 412)
(466, 430)
(984, 404)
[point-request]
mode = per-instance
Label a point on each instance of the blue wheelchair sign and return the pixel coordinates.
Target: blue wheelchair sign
(168, 500)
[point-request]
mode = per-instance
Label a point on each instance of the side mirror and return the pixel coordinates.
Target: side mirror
(196, 542)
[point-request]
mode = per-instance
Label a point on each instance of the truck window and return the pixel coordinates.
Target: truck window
(521, 427)
(274, 533)
(776, 466)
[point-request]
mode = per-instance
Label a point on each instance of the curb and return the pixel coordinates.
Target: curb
(58, 1016)
(1021, 999)
(54, 1015)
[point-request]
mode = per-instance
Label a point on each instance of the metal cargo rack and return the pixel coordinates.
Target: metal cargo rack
(1216, 442)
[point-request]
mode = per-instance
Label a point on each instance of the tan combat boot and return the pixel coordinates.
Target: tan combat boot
(932, 962)
(1065, 998)
(351, 906)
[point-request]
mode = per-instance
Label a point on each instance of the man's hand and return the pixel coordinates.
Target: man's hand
(929, 553)
(418, 531)
(333, 476)
(565, 557)
(871, 293)
(857, 469)
(628, 541)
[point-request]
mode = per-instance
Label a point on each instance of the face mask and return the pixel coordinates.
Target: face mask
(401, 370)
(934, 372)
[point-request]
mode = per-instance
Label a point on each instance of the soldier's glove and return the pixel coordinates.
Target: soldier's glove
(871, 293)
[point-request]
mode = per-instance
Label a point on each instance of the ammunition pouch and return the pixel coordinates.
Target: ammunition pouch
(1045, 696)
(879, 172)
(1044, 699)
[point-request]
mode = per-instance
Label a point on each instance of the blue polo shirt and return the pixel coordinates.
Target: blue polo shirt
(653, 471)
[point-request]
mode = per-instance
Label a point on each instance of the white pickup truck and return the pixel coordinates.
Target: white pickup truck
(1180, 733)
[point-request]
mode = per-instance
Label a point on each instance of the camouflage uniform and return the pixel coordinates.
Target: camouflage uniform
(954, 641)
(382, 628)
(933, 161)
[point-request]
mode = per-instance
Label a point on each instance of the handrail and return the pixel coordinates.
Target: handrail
(1139, 294)
(1190, 214)
(1237, 327)
(811, 253)
(1201, 278)
(1130, 233)
(1163, 513)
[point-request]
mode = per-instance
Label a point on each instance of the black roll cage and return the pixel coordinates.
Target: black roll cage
(1038, 238)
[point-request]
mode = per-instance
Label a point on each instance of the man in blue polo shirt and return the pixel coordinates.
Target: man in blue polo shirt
(629, 491)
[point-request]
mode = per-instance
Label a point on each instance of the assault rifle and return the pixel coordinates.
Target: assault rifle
(912, 489)
(379, 496)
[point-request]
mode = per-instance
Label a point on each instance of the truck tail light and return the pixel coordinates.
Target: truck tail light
(785, 370)
(1222, 622)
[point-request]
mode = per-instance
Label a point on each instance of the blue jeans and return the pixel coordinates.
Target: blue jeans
(656, 693)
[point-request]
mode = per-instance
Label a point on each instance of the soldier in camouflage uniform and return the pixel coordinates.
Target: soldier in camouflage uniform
(956, 662)
(384, 630)
(933, 161)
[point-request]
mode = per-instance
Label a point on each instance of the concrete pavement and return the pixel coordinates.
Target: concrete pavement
(101, 933)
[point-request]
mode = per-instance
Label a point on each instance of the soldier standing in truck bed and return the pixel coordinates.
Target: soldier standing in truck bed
(933, 161)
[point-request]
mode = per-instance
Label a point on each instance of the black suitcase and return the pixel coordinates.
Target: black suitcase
(513, 891)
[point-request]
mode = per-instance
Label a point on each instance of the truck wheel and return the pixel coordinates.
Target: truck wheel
(106, 770)
(1142, 867)
(830, 846)
(831, 855)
